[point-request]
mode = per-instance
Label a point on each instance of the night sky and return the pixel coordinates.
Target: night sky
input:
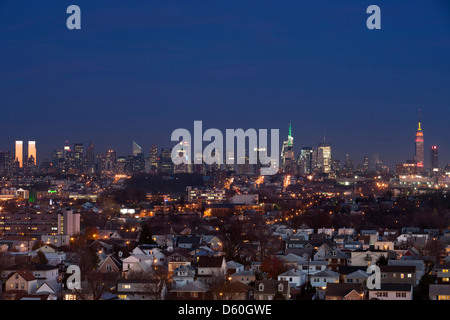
(137, 70)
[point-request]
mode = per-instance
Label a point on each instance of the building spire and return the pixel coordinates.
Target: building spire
(419, 129)
(290, 134)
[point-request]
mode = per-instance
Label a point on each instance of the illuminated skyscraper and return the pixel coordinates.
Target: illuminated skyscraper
(19, 153)
(324, 157)
(32, 151)
(305, 160)
(136, 149)
(434, 160)
(154, 158)
(287, 153)
(419, 154)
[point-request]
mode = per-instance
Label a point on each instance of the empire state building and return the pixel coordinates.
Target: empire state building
(419, 155)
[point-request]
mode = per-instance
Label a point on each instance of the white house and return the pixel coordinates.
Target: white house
(296, 278)
(321, 278)
(392, 291)
(364, 258)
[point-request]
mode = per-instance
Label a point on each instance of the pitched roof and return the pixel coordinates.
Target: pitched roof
(394, 287)
(194, 286)
(342, 289)
(25, 274)
(327, 273)
(439, 289)
(270, 286)
(210, 262)
(390, 268)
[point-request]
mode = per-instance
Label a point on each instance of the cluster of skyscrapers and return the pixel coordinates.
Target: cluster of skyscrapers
(76, 159)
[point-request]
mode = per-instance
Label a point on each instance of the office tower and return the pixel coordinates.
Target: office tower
(324, 157)
(434, 159)
(90, 158)
(165, 161)
(419, 152)
(305, 160)
(365, 164)
(135, 164)
(78, 155)
(6, 163)
(154, 158)
(136, 149)
(348, 165)
(374, 163)
(287, 153)
(32, 151)
(19, 153)
(110, 161)
(66, 150)
(336, 167)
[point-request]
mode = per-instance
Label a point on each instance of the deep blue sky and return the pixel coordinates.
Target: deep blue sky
(138, 71)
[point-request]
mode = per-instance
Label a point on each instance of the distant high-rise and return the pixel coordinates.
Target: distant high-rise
(32, 151)
(419, 154)
(136, 149)
(90, 158)
(78, 155)
(19, 153)
(305, 160)
(324, 157)
(165, 161)
(154, 158)
(434, 159)
(287, 153)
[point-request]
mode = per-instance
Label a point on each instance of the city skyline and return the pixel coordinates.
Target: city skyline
(424, 157)
(138, 73)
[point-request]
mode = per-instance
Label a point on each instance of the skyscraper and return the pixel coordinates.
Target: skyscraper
(434, 160)
(305, 160)
(419, 152)
(32, 151)
(78, 155)
(324, 157)
(287, 153)
(136, 149)
(19, 153)
(154, 158)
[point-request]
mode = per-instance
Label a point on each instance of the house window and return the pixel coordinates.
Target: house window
(445, 279)
(402, 275)
(126, 286)
(443, 297)
(22, 286)
(409, 275)
(400, 294)
(445, 270)
(349, 280)
(194, 294)
(318, 268)
(108, 267)
(261, 287)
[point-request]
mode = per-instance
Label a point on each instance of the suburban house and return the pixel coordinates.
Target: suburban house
(344, 291)
(439, 292)
(182, 275)
(234, 267)
(443, 273)
(357, 276)
(110, 265)
(177, 258)
(141, 289)
(336, 258)
(313, 267)
(398, 274)
(245, 276)
(52, 288)
(392, 291)
(364, 258)
(296, 278)
(21, 281)
(322, 278)
(269, 289)
(419, 264)
(195, 290)
(211, 267)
